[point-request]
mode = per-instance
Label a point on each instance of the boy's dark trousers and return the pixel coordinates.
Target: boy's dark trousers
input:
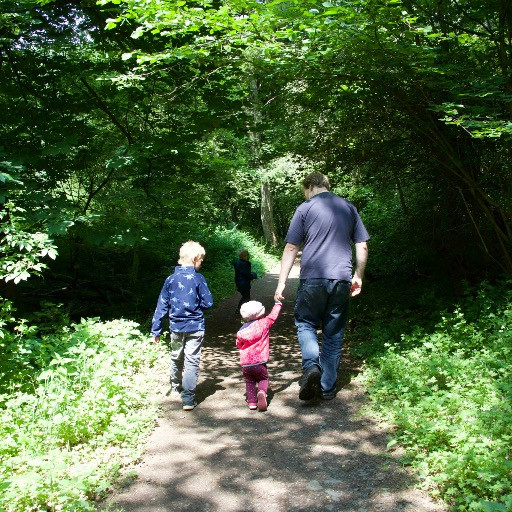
(246, 297)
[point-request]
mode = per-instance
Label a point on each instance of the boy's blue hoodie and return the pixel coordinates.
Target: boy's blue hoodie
(184, 296)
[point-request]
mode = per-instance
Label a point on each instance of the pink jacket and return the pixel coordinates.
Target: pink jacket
(253, 339)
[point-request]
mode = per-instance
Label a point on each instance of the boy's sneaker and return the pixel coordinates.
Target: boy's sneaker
(189, 407)
(328, 396)
(262, 401)
(310, 383)
(253, 407)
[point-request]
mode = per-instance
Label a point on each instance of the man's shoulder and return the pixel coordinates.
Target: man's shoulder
(331, 198)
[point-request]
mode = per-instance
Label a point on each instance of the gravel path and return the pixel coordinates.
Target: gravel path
(221, 457)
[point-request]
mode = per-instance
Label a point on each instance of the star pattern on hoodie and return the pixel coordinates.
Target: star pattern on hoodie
(183, 298)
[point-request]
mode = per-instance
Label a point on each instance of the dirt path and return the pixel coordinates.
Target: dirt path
(221, 457)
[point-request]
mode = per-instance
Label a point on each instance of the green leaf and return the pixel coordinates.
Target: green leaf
(391, 443)
(60, 228)
(489, 506)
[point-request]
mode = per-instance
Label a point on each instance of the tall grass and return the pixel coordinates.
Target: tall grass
(448, 390)
(68, 426)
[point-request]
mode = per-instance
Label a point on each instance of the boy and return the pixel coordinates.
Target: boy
(184, 296)
(243, 276)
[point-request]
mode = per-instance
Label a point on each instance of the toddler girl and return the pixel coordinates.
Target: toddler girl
(253, 340)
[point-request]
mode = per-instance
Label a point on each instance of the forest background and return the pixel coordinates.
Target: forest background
(129, 127)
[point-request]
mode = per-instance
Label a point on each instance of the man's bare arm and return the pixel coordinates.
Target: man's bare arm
(361, 259)
(289, 254)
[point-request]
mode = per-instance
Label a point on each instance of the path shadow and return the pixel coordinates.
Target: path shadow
(208, 387)
(321, 456)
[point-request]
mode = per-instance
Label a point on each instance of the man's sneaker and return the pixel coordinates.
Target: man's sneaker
(262, 401)
(253, 407)
(189, 407)
(328, 396)
(310, 384)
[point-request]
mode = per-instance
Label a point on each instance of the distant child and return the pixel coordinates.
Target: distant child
(184, 296)
(253, 340)
(244, 276)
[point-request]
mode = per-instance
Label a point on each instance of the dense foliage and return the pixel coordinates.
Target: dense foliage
(128, 127)
(448, 391)
(79, 403)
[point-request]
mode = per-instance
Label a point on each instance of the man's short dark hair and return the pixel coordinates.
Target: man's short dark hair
(316, 179)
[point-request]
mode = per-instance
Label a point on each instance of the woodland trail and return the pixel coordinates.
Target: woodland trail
(221, 457)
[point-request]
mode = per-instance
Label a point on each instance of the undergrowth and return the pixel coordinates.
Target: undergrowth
(448, 391)
(74, 407)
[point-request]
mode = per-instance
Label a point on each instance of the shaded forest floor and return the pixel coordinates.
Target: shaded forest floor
(322, 456)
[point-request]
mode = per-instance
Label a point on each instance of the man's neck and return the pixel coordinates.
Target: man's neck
(316, 190)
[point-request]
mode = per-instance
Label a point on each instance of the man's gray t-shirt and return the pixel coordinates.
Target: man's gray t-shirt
(325, 226)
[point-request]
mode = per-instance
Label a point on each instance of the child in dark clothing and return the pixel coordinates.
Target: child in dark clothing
(244, 276)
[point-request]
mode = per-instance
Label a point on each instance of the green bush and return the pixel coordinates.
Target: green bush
(61, 444)
(449, 393)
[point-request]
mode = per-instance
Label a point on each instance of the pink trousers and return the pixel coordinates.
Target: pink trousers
(256, 379)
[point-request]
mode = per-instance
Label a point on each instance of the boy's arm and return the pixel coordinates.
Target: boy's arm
(161, 310)
(252, 275)
(205, 296)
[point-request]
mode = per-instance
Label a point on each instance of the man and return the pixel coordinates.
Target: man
(325, 225)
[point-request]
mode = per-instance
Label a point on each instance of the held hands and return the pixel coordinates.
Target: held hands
(278, 295)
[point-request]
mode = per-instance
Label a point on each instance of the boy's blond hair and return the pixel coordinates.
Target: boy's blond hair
(190, 251)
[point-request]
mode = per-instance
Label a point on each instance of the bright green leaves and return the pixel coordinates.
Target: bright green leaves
(7, 178)
(448, 393)
(73, 393)
(21, 250)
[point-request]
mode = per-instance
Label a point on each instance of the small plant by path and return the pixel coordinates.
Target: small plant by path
(296, 456)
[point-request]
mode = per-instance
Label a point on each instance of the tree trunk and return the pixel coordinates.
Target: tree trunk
(134, 274)
(267, 217)
(400, 193)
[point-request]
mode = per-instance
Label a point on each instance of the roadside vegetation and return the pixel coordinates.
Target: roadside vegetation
(128, 127)
(443, 379)
(75, 406)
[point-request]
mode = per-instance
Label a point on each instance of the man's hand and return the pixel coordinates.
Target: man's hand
(289, 253)
(156, 339)
(355, 288)
(278, 296)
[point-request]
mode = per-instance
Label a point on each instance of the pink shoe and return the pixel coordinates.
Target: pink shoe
(262, 401)
(253, 407)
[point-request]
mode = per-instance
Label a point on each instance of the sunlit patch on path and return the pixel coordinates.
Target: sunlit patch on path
(221, 457)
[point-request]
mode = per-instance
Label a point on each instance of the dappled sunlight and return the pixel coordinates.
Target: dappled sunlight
(296, 456)
(248, 460)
